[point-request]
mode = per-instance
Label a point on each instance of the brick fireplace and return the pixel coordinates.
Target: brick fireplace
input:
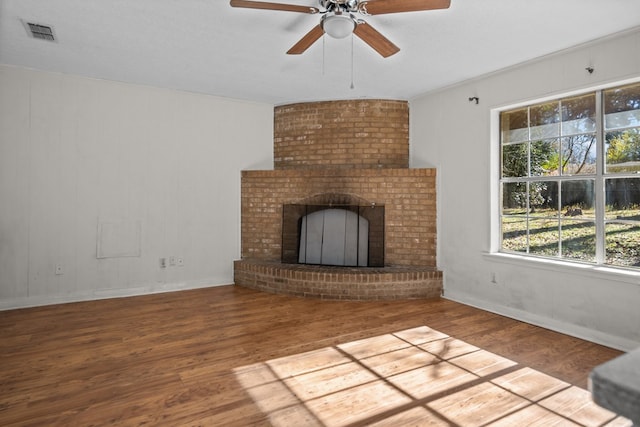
(341, 153)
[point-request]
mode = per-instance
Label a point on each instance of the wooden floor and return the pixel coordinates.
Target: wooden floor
(230, 356)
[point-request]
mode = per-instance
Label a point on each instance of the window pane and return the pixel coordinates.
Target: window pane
(514, 125)
(622, 245)
(622, 119)
(578, 199)
(543, 222)
(543, 198)
(545, 158)
(544, 236)
(578, 240)
(622, 198)
(622, 107)
(623, 151)
(514, 233)
(515, 160)
(514, 198)
(579, 154)
(545, 120)
(579, 115)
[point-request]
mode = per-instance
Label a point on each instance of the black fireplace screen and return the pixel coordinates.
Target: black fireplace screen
(344, 235)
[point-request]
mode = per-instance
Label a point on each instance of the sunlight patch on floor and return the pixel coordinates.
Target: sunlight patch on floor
(417, 377)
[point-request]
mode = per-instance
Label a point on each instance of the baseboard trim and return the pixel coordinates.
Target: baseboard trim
(616, 342)
(98, 294)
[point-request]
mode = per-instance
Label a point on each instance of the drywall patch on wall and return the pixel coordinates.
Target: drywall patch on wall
(118, 239)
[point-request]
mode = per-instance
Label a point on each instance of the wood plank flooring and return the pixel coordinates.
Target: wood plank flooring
(229, 356)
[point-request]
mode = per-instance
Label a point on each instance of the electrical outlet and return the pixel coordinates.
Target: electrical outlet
(163, 263)
(59, 270)
(180, 262)
(172, 261)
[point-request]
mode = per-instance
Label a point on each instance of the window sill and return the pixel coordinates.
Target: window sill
(594, 271)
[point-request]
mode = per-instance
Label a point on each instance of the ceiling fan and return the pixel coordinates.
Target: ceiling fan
(340, 19)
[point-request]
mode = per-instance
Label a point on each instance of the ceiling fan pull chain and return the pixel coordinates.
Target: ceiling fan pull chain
(352, 85)
(323, 52)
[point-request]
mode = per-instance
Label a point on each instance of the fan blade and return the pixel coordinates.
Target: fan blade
(378, 7)
(273, 6)
(377, 41)
(306, 41)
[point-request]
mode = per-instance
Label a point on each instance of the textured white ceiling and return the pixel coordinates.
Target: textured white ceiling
(209, 47)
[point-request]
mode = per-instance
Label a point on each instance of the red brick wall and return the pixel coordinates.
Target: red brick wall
(342, 134)
(409, 196)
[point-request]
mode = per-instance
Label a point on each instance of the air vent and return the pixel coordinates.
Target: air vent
(43, 32)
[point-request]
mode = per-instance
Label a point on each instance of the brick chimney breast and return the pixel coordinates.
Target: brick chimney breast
(342, 134)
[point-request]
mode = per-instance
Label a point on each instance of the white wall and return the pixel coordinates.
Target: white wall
(76, 153)
(454, 135)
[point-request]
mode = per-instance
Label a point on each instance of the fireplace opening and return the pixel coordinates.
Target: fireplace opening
(336, 235)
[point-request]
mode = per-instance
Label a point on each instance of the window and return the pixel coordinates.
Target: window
(570, 178)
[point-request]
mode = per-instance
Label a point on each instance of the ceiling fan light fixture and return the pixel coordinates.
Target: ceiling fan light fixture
(338, 25)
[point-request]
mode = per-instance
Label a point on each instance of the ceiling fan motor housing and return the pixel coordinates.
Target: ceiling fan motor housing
(340, 5)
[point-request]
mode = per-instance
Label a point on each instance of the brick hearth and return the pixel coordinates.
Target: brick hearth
(339, 283)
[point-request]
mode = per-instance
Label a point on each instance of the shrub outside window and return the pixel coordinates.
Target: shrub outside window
(570, 178)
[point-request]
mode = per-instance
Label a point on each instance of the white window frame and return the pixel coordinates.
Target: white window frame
(627, 275)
